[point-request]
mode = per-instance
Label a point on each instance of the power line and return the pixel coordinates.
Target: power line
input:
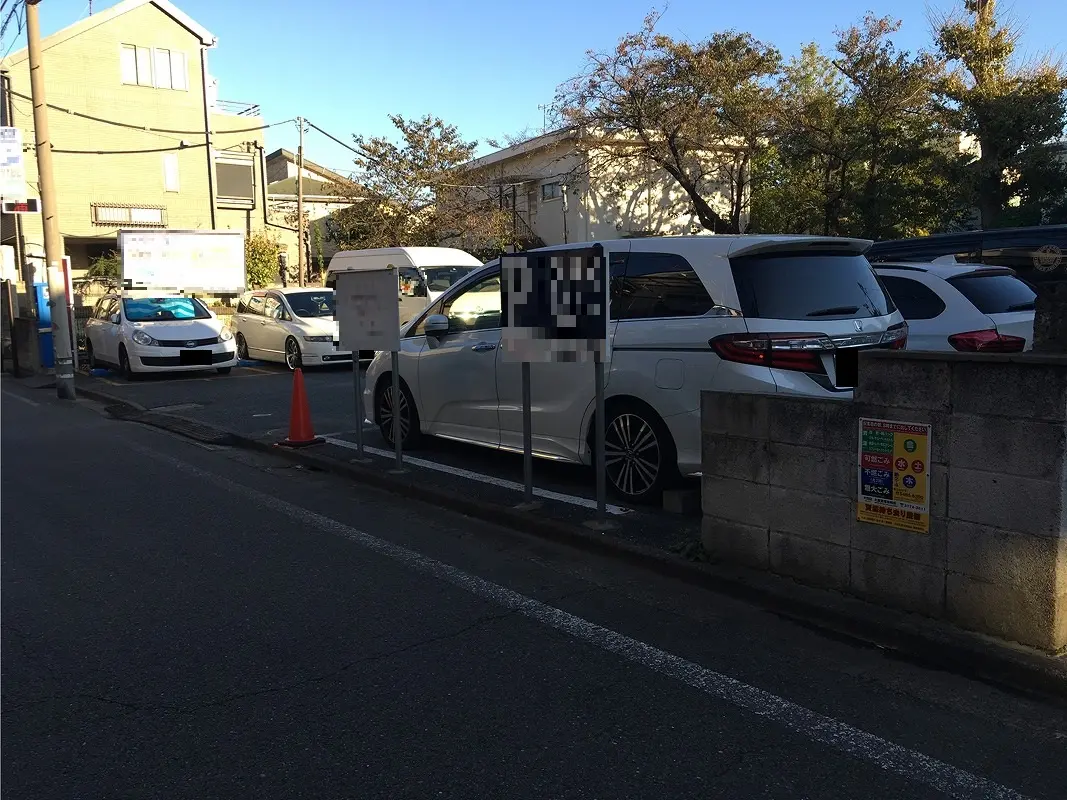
(145, 128)
(128, 152)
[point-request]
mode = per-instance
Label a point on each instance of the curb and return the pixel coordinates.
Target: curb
(926, 642)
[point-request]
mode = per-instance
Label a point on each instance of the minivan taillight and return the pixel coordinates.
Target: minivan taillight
(793, 351)
(988, 341)
(896, 336)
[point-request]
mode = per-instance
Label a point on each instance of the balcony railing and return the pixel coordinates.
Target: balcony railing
(238, 108)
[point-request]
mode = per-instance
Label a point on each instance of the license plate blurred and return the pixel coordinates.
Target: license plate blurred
(847, 367)
(195, 358)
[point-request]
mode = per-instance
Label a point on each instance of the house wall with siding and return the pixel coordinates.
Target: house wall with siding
(83, 73)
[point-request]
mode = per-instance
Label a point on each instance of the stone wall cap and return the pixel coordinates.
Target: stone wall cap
(1035, 359)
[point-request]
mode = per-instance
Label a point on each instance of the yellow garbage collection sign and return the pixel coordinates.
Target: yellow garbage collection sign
(894, 474)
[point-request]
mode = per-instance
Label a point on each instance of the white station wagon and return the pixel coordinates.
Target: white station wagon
(784, 314)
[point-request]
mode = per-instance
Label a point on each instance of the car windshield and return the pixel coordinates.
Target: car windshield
(438, 279)
(995, 293)
(159, 309)
(311, 304)
(809, 287)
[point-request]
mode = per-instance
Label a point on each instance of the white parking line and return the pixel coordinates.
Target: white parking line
(547, 494)
(834, 734)
(21, 399)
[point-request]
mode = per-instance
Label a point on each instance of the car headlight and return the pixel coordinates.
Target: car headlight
(143, 338)
(225, 335)
(318, 338)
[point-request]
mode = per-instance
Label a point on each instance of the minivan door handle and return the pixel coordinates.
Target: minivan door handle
(483, 347)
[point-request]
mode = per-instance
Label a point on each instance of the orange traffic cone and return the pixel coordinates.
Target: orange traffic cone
(301, 434)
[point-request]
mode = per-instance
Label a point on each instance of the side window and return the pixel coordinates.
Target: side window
(420, 329)
(477, 308)
(272, 307)
(108, 306)
(242, 304)
(658, 285)
(913, 299)
(255, 305)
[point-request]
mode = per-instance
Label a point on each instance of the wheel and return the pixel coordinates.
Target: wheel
(409, 415)
(293, 359)
(90, 356)
(223, 370)
(125, 367)
(242, 348)
(639, 459)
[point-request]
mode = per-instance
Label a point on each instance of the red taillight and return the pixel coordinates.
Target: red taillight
(793, 351)
(896, 336)
(988, 341)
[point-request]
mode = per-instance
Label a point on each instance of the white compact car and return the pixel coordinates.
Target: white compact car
(963, 307)
(294, 326)
(157, 334)
(782, 314)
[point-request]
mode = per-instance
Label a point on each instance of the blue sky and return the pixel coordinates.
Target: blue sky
(483, 66)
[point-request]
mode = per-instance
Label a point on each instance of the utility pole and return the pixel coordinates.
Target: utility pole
(53, 240)
(300, 202)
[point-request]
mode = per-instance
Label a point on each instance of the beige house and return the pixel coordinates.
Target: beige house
(320, 201)
(139, 137)
(562, 190)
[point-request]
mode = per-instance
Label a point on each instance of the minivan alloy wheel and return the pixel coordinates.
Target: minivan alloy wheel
(385, 414)
(293, 359)
(633, 456)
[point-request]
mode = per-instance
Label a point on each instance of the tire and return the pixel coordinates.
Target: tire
(640, 459)
(125, 366)
(293, 358)
(242, 348)
(409, 414)
(90, 356)
(223, 370)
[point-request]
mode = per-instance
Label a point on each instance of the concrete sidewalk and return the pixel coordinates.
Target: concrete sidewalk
(663, 543)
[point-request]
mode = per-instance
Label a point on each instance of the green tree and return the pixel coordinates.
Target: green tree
(1015, 112)
(106, 270)
(700, 112)
(261, 259)
(415, 192)
(316, 243)
(859, 149)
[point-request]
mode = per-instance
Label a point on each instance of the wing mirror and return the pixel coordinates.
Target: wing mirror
(436, 325)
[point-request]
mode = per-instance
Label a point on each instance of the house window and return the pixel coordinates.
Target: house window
(146, 66)
(551, 191)
(170, 172)
(235, 180)
(115, 215)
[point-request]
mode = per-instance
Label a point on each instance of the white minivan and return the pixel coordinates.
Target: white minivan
(437, 268)
(785, 314)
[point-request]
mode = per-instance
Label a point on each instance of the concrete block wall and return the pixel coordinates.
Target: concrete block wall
(780, 475)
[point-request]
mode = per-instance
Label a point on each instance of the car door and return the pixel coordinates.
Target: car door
(274, 329)
(560, 396)
(94, 328)
(251, 324)
(457, 371)
(110, 334)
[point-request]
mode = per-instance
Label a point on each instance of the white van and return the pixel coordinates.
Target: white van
(439, 268)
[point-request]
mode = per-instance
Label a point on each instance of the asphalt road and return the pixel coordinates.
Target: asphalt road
(186, 622)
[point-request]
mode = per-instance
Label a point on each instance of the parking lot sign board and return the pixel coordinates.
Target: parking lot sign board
(12, 165)
(893, 474)
(368, 310)
(554, 306)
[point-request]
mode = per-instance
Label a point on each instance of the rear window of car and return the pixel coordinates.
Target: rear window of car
(995, 293)
(809, 286)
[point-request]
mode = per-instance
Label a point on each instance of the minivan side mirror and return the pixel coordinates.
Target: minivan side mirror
(436, 325)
